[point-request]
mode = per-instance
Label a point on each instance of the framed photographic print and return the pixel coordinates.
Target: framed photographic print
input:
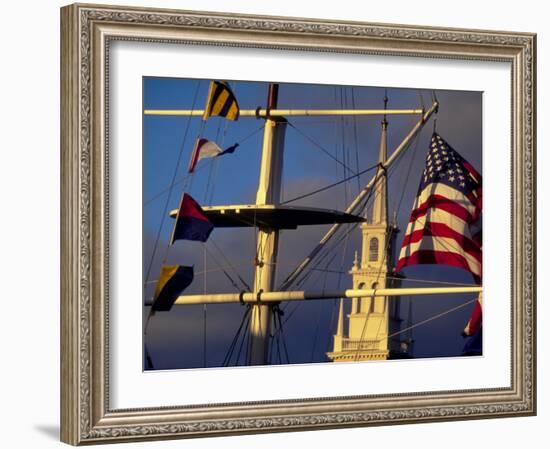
(276, 224)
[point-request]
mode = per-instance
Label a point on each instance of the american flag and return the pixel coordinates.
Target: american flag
(445, 223)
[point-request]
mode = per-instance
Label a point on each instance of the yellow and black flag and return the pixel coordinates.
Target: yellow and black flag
(173, 279)
(221, 102)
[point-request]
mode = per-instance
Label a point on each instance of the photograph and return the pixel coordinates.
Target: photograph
(288, 223)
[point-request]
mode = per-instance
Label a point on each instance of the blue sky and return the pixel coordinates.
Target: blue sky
(175, 338)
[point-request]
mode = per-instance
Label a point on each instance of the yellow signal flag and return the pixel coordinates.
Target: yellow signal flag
(221, 102)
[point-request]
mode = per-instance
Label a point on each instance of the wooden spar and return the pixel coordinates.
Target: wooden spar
(277, 296)
(263, 113)
(269, 191)
(357, 201)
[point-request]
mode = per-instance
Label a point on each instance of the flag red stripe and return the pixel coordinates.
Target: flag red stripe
(475, 319)
(443, 203)
(436, 257)
(442, 230)
(442, 245)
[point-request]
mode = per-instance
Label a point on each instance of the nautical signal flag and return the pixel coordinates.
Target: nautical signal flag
(445, 223)
(173, 279)
(221, 102)
(191, 222)
(204, 149)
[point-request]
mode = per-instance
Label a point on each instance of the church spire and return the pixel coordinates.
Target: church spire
(380, 208)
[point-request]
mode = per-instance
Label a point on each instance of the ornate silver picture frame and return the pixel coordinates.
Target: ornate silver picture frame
(88, 33)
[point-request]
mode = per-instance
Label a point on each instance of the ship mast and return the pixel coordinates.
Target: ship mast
(269, 192)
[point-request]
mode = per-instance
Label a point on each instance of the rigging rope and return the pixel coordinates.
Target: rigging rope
(231, 280)
(322, 189)
(355, 138)
(318, 319)
(426, 281)
(343, 141)
(229, 354)
(318, 145)
(281, 333)
(278, 339)
(413, 154)
(235, 271)
(430, 319)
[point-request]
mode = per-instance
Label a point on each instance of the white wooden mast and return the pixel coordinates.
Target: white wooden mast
(269, 192)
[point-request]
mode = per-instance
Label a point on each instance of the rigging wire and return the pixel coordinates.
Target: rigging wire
(356, 140)
(430, 319)
(318, 321)
(318, 145)
(329, 186)
(271, 340)
(235, 271)
(278, 339)
(248, 337)
(282, 334)
(343, 142)
(427, 281)
(227, 275)
(231, 349)
(413, 154)
(217, 270)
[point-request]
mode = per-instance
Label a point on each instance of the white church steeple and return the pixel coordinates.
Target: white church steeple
(372, 320)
